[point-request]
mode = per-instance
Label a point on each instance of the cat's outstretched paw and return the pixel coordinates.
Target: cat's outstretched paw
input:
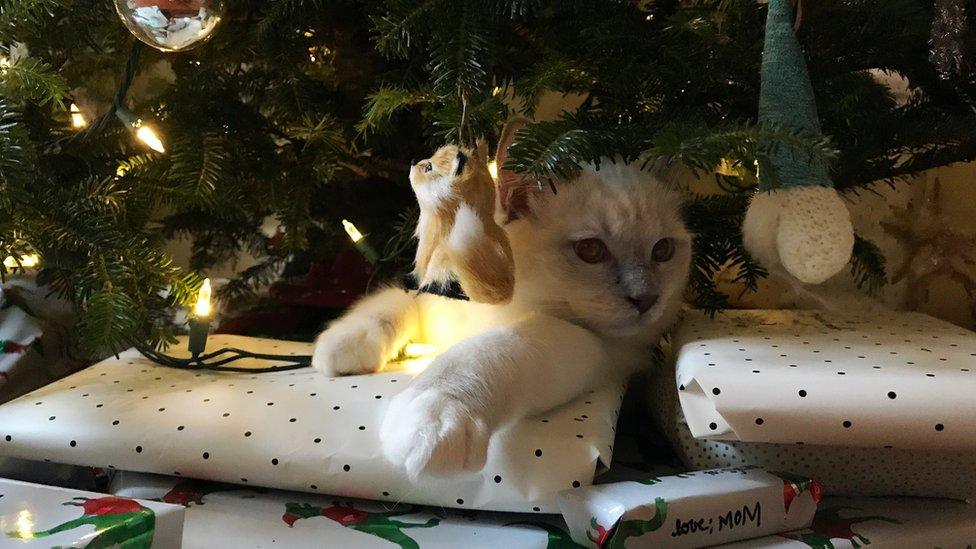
(428, 432)
(345, 349)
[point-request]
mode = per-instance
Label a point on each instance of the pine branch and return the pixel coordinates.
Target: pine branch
(717, 245)
(32, 80)
(702, 149)
(15, 161)
(549, 149)
(399, 27)
(198, 165)
(460, 61)
(868, 265)
(110, 320)
(17, 16)
(383, 104)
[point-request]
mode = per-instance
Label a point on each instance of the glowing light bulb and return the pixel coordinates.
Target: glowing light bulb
(416, 357)
(202, 308)
(149, 137)
(496, 91)
(493, 169)
(25, 524)
(77, 119)
(352, 231)
(414, 350)
(26, 261)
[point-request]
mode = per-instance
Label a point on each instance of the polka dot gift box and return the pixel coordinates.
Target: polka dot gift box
(295, 430)
(872, 404)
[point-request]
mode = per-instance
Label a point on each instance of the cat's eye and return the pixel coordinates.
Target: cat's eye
(428, 167)
(591, 250)
(663, 250)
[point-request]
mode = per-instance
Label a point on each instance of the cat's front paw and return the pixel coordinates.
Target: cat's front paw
(346, 349)
(428, 432)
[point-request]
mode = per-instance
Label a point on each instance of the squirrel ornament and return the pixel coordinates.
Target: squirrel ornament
(457, 233)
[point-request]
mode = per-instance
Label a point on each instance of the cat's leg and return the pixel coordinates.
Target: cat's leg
(442, 422)
(369, 334)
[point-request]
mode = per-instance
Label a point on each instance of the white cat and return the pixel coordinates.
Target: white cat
(600, 269)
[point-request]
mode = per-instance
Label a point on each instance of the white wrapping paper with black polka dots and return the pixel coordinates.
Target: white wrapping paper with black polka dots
(295, 430)
(884, 380)
(842, 469)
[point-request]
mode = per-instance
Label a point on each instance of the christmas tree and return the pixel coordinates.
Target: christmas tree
(306, 113)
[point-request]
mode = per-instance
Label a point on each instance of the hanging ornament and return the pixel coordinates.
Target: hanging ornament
(171, 25)
(950, 31)
(797, 222)
(933, 248)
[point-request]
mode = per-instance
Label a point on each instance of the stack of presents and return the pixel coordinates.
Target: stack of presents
(795, 429)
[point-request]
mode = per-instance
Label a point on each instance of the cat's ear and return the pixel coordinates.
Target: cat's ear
(481, 151)
(513, 189)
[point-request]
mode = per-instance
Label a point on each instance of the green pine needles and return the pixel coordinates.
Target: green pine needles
(299, 114)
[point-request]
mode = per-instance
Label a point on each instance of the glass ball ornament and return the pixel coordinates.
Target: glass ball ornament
(171, 25)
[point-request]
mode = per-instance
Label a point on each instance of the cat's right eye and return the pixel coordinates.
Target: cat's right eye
(427, 167)
(591, 250)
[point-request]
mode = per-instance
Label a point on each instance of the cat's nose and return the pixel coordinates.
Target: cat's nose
(642, 302)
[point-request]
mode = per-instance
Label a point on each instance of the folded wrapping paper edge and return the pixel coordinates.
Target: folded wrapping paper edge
(696, 403)
(578, 511)
(604, 447)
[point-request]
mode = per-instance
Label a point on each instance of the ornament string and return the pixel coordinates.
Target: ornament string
(798, 14)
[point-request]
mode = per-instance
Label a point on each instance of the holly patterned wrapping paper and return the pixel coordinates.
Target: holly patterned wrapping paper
(224, 516)
(296, 430)
(888, 523)
(34, 515)
(889, 466)
(694, 509)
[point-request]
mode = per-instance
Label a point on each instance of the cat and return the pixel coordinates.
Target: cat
(600, 270)
(457, 234)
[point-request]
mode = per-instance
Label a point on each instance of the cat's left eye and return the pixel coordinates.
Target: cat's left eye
(591, 250)
(428, 167)
(663, 250)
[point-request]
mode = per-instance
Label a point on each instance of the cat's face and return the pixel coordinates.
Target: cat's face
(608, 251)
(433, 178)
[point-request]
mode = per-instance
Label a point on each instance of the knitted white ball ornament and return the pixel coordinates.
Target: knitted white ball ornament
(806, 231)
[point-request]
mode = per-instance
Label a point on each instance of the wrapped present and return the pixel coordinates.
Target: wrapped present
(32, 350)
(892, 523)
(857, 402)
(44, 516)
(695, 509)
(227, 516)
(296, 430)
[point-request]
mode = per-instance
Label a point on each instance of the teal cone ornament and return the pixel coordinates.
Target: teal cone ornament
(797, 221)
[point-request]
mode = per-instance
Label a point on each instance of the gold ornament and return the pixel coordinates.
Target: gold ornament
(932, 248)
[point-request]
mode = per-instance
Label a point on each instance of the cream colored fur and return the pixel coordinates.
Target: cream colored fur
(568, 329)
